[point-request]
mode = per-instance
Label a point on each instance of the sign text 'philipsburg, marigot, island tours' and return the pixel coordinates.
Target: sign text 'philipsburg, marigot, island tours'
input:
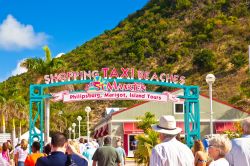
(101, 89)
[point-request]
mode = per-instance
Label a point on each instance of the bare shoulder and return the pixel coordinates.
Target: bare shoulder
(202, 155)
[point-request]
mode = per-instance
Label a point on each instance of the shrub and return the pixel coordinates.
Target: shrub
(201, 38)
(196, 27)
(234, 99)
(234, 134)
(240, 10)
(204, 60)
(146, 141)
(182, 4)
(145, 145)
(238, 60)
(174, 57)
(245, 88)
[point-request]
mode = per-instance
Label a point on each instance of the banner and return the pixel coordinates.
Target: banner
(146, 96)
(101, 89)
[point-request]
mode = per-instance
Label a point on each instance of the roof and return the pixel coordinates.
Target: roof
(118, 112)
(105, 119)
(225, 103)
(214, 99)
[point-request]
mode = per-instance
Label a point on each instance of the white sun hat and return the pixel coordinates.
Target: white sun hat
(167, 125)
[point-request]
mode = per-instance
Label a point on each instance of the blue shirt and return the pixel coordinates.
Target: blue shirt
(121, 153)
(205, 144)
(59, 159)
(89, 154)
(240, 152)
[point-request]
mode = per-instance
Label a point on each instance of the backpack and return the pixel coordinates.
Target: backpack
(70, 161)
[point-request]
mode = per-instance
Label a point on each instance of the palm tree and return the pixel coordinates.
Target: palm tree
(16, 108)
(47, 54)
(2, 101)
(51, 64)
(145, 145)
(146, 141)
(2, 108)
(34, 64)
(40, 67)
(146, 121)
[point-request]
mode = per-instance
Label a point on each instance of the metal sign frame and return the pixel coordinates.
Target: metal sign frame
(191, 107)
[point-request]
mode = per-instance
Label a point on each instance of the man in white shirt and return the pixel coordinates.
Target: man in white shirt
(170, 152)
(82, 145)
(95, 143)
(240, 152)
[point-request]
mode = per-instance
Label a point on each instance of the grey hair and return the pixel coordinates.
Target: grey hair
(221, 142)
(246, 125)
(168, 136)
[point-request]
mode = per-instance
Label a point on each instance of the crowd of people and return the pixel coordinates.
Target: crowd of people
(220, 150)
(14, 156)
(63, 152)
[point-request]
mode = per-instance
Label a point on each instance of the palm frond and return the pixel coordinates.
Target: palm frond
(47, 54)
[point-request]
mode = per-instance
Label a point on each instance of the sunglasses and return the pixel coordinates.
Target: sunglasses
(209, 146)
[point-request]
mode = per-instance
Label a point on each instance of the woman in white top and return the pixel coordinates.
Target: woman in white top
(219, 146)
(21, 153)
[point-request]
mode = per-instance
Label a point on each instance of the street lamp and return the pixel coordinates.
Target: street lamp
(74, 126)
(60, 114)
(87, 110)
(210, 78)
(79, 118)
(70, 129)
(74, 134)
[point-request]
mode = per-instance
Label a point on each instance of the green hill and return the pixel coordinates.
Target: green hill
(191, 38)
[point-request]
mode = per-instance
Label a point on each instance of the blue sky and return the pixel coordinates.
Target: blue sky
(27, 25)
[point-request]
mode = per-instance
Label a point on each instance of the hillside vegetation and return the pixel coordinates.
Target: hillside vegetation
(188, 37)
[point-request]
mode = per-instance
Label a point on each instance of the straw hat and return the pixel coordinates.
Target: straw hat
(167, 125)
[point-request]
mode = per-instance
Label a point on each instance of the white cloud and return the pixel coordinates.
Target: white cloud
(19, 69)
(59, 55)
(14, 35)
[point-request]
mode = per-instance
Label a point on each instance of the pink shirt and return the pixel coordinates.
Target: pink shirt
(6, 156)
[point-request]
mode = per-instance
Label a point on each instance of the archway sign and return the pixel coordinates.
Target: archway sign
(113, 84)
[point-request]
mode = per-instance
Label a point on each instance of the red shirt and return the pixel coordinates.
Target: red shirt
(31, 159)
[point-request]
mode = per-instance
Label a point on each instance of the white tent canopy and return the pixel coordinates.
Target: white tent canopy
(26, 136)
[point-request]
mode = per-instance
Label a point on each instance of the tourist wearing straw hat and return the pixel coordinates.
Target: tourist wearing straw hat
(170, 152)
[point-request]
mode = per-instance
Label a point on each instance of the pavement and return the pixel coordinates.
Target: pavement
(130, 162)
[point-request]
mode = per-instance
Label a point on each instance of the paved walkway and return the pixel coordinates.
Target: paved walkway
(130, 162)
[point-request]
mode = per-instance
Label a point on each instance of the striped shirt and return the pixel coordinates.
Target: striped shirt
(171, 153)
(240, 152)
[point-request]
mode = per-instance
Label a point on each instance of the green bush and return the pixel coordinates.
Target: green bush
(238, 60)
(146, 141)
(174, 57)
(234, 134)
(196, 27)
(182, 4)
(204, 60)
(234, 99)
(245, 88)
(240, 11)
(201, 38)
